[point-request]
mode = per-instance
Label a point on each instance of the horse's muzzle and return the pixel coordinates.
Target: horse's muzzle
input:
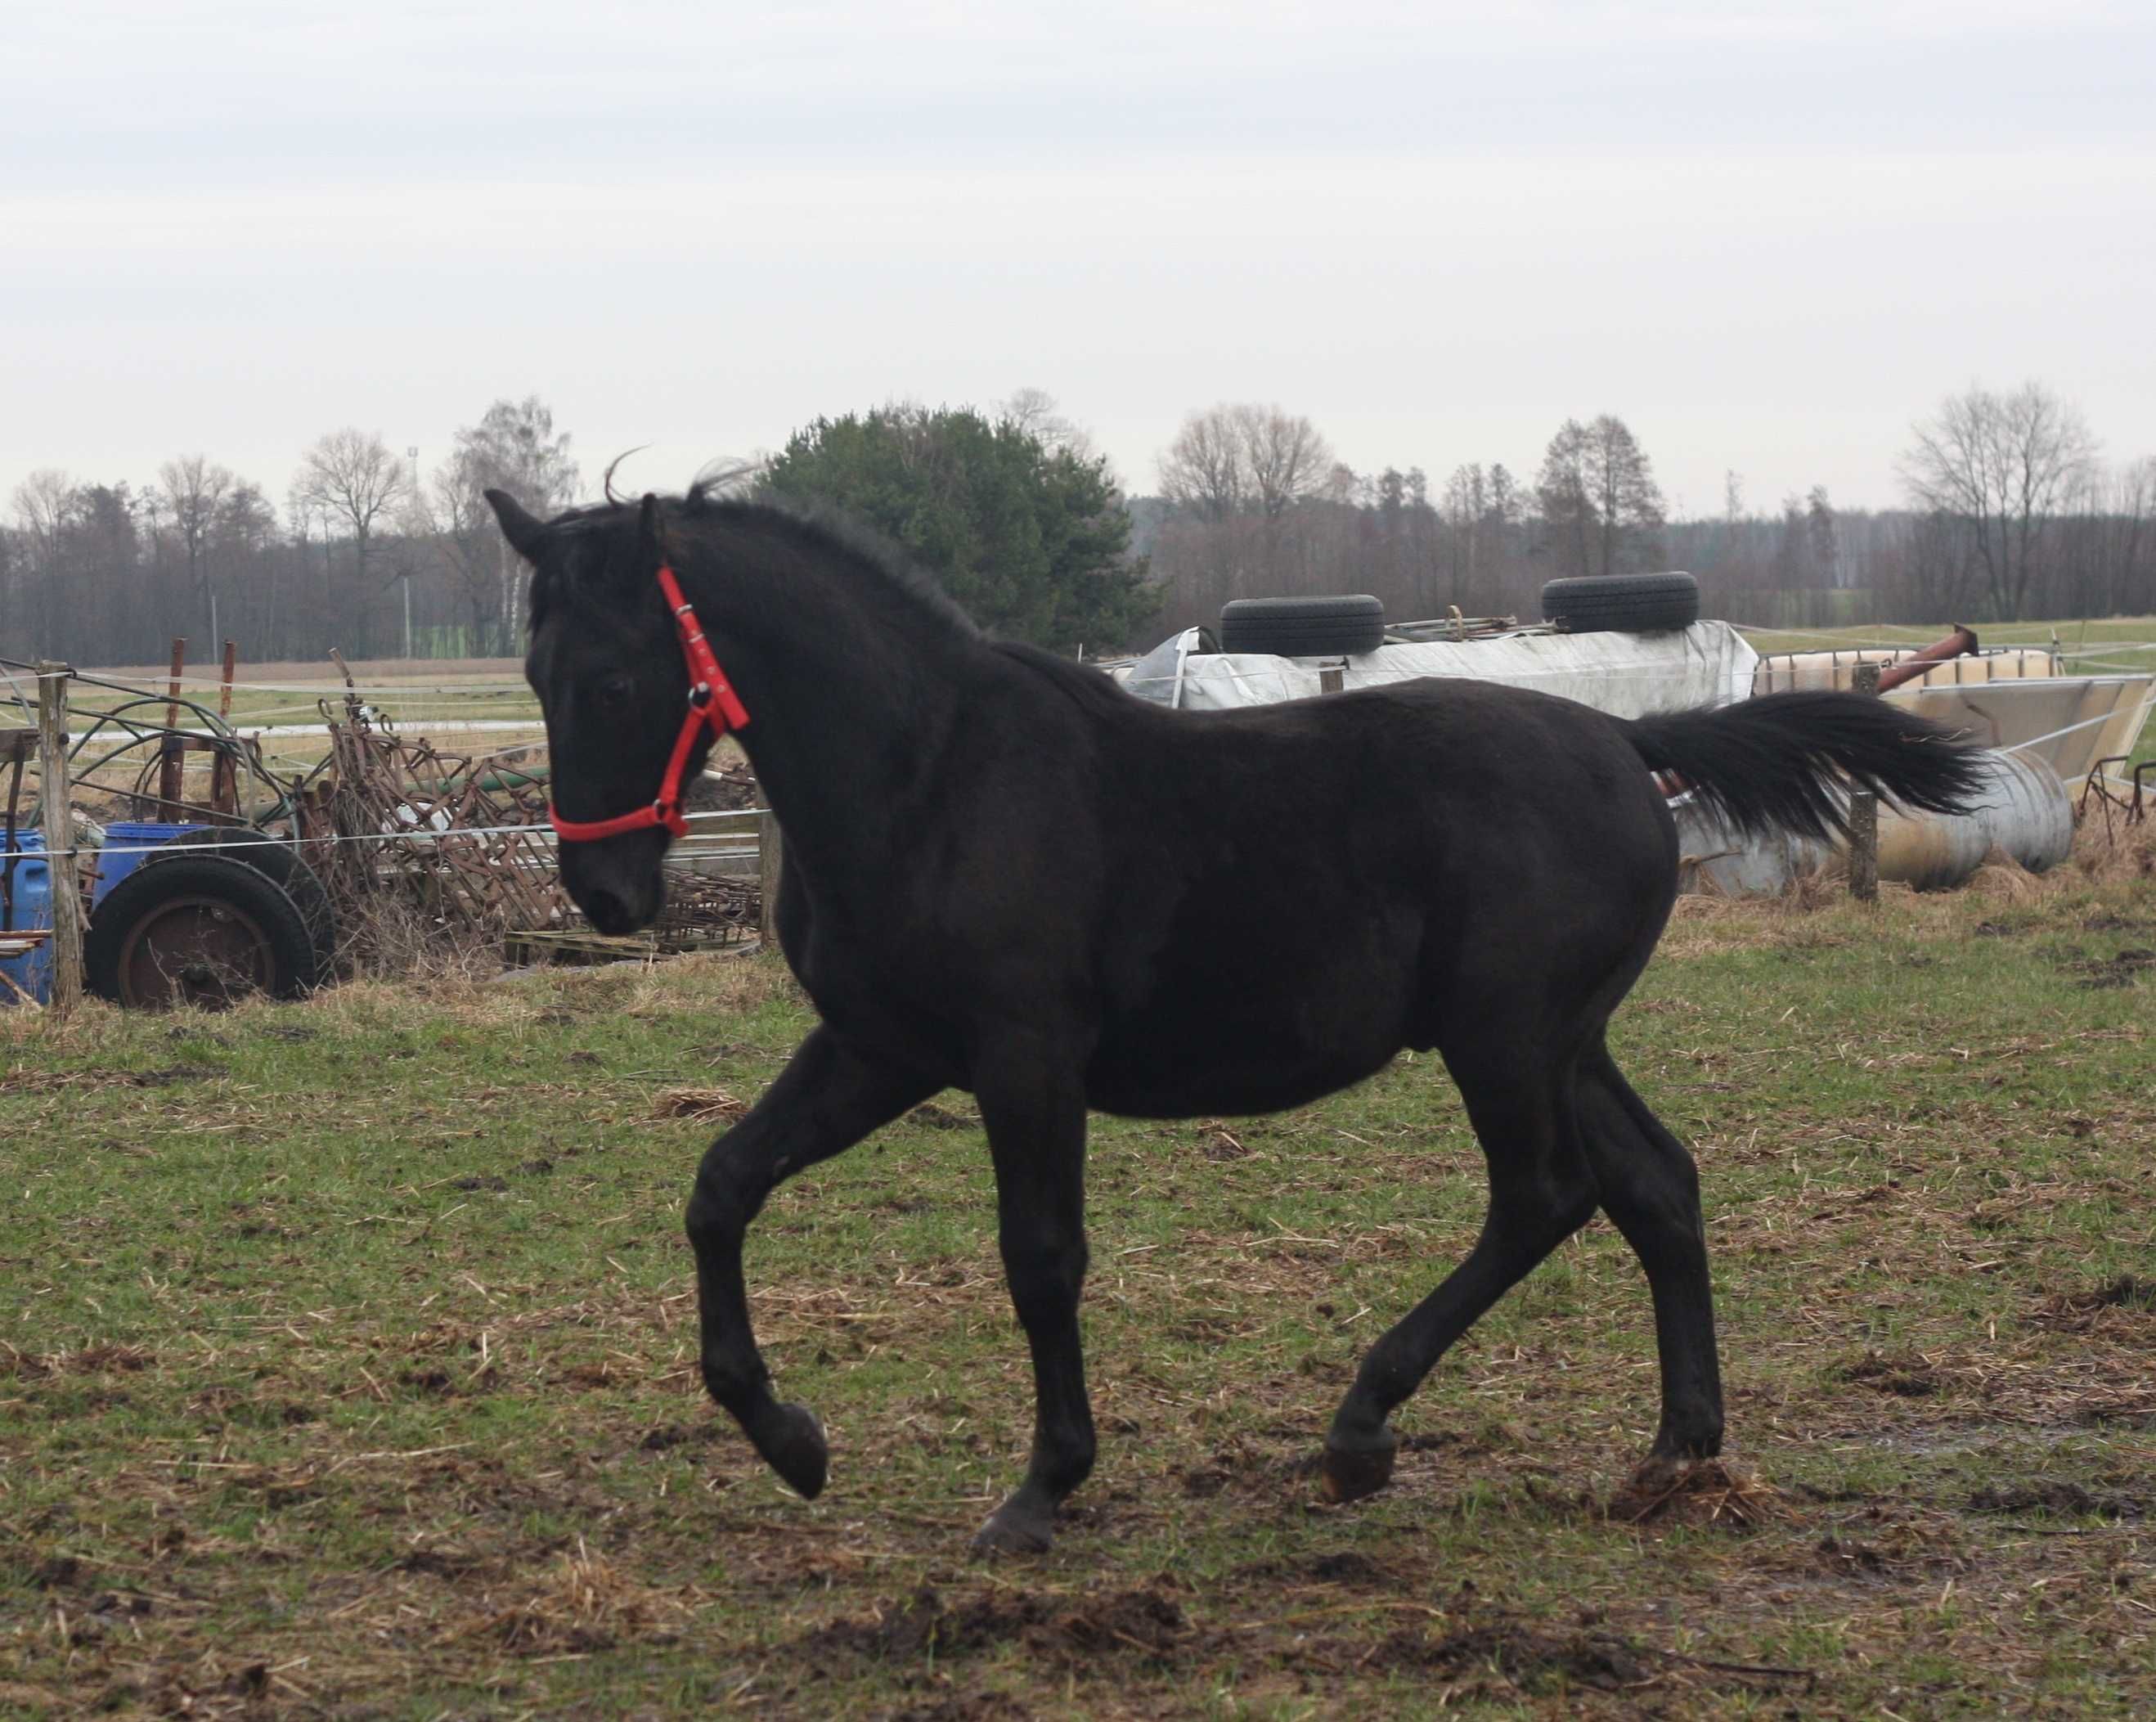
(619, 883)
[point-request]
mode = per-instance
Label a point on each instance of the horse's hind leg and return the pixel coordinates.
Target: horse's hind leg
(1650, 1187)
(1541, 1192)
(1034, 1109)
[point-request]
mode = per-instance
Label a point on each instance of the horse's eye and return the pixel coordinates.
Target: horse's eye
(612, 695)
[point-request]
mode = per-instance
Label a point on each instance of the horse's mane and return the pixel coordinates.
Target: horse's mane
(810, 524)
(810, 527)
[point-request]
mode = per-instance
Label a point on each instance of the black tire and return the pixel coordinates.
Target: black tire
(200, 929)
(280, 864)
(1303, 627)
(1622, 604)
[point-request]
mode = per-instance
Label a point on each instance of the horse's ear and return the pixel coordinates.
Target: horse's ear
(650, 549)
(525, 534)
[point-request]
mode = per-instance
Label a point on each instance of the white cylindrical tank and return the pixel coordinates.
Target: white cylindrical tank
(2024, 811)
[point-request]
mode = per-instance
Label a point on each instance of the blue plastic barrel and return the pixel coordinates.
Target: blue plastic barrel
(33, 899)
(126, 842)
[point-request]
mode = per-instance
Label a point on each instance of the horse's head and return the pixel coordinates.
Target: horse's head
(605, 663)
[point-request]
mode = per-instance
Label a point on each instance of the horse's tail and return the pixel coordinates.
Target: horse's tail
(1777, 762)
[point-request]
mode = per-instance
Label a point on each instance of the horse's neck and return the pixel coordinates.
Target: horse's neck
(845, 708)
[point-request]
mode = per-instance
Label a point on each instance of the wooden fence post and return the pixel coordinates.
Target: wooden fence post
(57, 815)
(223, 767)
(171, 764)
(770, 859)
(1864, 816)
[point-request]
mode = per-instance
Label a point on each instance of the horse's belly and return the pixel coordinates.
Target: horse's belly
(1243, 1036)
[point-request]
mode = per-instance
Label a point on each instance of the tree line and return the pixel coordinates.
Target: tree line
(2010, 513)
(366, 554)
(1011, 510)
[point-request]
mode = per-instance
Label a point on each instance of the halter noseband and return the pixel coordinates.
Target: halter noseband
(712, 704)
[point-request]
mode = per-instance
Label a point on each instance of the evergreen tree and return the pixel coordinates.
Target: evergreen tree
(1031, 539)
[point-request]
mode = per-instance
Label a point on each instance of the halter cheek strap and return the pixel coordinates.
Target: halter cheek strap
(713, 705)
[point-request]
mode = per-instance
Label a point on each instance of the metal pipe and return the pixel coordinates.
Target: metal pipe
(1961, 643)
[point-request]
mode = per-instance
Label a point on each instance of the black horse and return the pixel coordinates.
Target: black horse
(1005, 874)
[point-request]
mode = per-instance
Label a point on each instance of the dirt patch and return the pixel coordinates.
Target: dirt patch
(962, 1706)
(437, 1563)
(164, 1077)
(59, 1572)
(2077, 1311)
(941, 1117)
(1222, 1144)
(2123, 970)
(1841, 1555)
(1347, 1568)
(2056, 1495)
(1905, 1374)
(1500, 1656)
(1531, 1660)
(1888, 1541)
(91, 1360)
(669, 1435)
(1147, 1622)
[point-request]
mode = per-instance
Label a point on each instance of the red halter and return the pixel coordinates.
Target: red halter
(712, 704)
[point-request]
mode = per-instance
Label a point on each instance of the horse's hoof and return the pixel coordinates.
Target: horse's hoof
(1013, 1530)
(1349, 1474)
(791, 1442)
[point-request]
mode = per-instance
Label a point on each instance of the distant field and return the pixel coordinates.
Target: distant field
(2075, 637)
(436, 692)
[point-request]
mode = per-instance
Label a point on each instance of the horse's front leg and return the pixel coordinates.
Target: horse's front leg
(825, 1101)
(1034, 1109)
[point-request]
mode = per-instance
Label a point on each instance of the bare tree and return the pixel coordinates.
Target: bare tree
(452, 515)
(1627, 499)
(42, 503)
(1229, 458)
(1566, 500)
(2002, 464)
(1466, 502)
(1039, 415)
(1285, 459)
(350, 477)
(195, 488)
(514, 447)
(1600, 504)
(1203, 469)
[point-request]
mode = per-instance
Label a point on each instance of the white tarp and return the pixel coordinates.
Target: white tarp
(1626, 675)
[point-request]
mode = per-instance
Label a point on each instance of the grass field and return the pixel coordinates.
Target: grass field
(347, 1365)
(2074, 636)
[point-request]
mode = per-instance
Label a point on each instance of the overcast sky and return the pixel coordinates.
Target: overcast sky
(1769, 237)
